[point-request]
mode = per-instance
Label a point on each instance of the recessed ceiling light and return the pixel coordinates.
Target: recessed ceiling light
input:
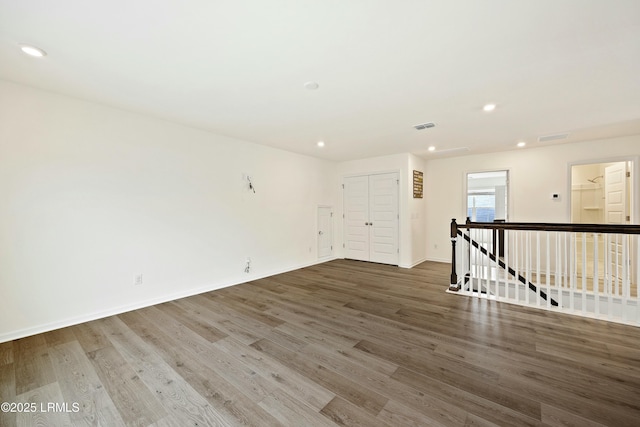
(521, 144)
(489, 107)
(311, 85)
(432, 148)
(453, 150)
(320, 144)
(33, 51)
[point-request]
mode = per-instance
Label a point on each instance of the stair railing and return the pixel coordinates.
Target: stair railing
(591, 270)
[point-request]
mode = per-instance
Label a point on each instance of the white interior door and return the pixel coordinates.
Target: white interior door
(615, 193)
(325, 232)
(615, 208)
(356, 218)
(371, 218)
(383, 218)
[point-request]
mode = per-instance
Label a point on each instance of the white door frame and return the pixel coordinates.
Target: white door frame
(465, 189)
(634, 203)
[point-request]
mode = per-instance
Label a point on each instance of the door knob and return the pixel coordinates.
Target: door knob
(320, 233)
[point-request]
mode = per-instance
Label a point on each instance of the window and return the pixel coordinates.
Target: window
(487, 196)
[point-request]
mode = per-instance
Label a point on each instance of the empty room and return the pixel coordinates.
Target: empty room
(320, 213)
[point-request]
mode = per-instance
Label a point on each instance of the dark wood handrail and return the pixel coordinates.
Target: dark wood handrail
(567, 227)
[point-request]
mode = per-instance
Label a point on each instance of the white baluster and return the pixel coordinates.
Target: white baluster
(637, 278)
(625, 283)
(548, 273)
(565, 255)
(496, 264)
(605, 264)
(616, 265)
(558, 269)
(608, 274)
(528, 265)
(584, 273)
(488, 233)
(596, 275)
(516, 244)
(625, 265)
(572, 270)
(472, 260)
(538, 281)
(506, 263)
(477, 264)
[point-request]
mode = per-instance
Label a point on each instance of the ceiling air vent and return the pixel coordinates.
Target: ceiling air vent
(424, 126)
(554, 137)
(453, 150)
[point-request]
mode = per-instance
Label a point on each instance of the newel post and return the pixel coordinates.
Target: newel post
(453, 284)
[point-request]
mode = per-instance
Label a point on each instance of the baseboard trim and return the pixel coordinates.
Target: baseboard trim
(420, 261)
(22, 333)
(444, 260)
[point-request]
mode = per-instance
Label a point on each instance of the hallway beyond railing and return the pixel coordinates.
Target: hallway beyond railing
(592, 270)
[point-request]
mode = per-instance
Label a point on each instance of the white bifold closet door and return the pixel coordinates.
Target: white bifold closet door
(371, 218)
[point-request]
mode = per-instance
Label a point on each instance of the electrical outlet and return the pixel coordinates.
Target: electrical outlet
(137, 280)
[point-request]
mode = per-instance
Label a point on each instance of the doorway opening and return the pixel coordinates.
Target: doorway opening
(601, 193)
(487, 201)
(487, 196)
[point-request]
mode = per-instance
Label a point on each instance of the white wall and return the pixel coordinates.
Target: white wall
(535, 173)
(91, 196)
(412, 237)
(416, 214)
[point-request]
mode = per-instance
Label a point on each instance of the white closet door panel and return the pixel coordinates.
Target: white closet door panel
(356, 211)
(383, 216)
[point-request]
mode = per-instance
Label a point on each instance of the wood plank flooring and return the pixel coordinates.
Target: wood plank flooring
(341, 343)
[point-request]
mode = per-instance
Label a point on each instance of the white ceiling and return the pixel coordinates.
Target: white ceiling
(238, 67)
